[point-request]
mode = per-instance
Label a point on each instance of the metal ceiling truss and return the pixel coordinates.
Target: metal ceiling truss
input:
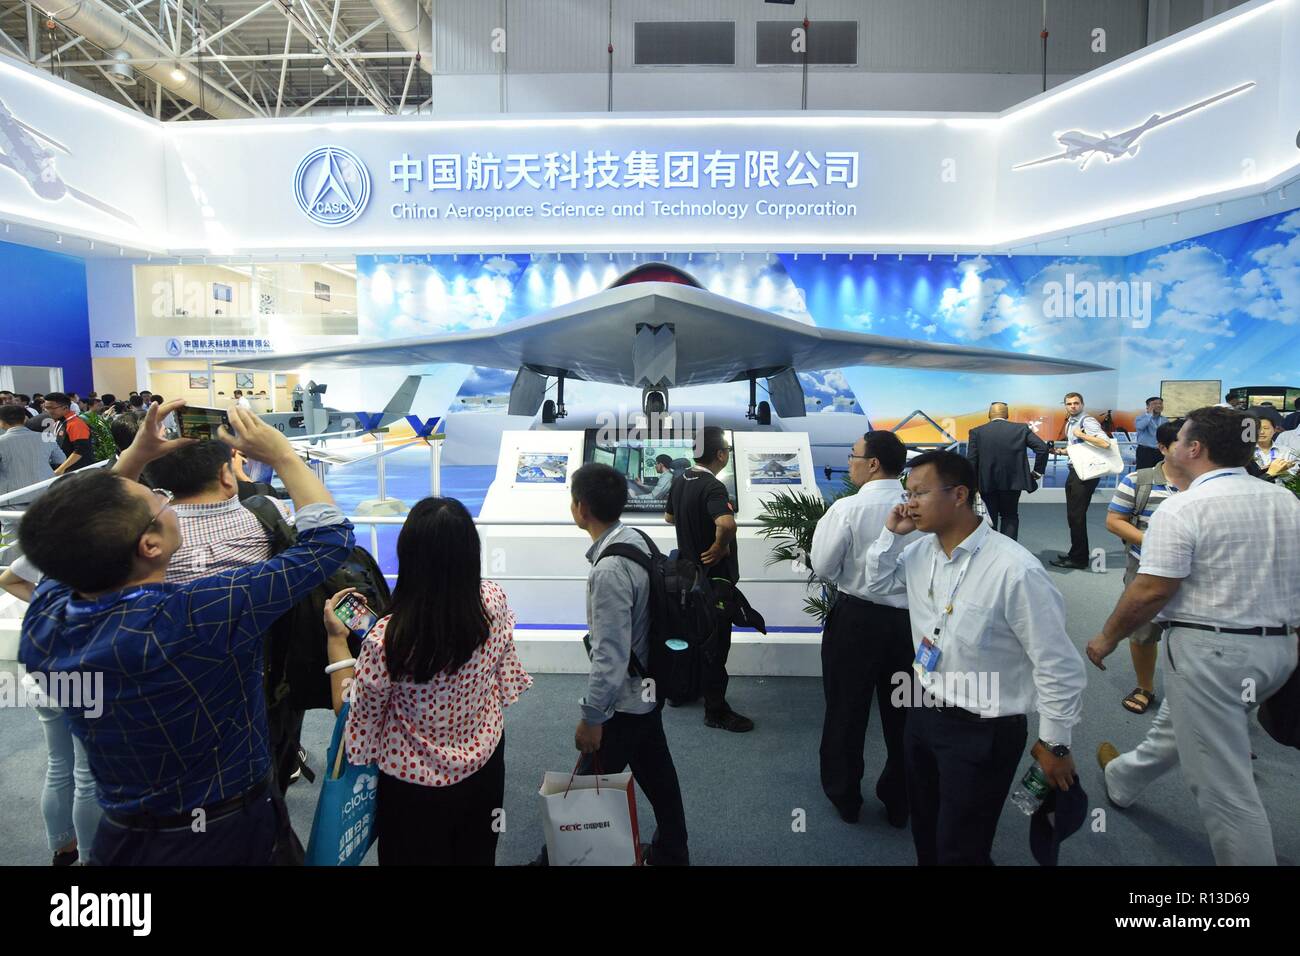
(191, 35)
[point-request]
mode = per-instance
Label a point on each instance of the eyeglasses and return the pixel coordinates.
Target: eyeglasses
(913, 495)
(166, 504)
(863, 457)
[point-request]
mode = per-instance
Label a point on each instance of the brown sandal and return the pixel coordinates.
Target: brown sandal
(1139, 701)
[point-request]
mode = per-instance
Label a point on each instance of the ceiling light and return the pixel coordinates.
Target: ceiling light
(177, 73)
(327, 70)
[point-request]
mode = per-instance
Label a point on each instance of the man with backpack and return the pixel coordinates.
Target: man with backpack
(699, 508)
(622, 714)
(1136, 498)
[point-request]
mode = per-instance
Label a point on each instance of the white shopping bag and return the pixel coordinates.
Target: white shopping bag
(590, 820)
(1091, 462)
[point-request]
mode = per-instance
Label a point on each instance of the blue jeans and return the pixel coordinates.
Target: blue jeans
(69, 800)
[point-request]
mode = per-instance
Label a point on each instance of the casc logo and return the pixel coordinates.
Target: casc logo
(332, 186)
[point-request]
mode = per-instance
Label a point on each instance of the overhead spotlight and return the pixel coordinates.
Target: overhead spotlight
(742, 257)
(930, 257)
(900, 257)
(177, 73)
(327, 70)
(1008, 255)
(480, 257)
(1176, 218)
(1218, 208)
(796, 257)
(92, 245)
(58, 240)
(769, 257)
(690, 257)
(954, 257)
(584, 257)
(823, 257)
(121, 251)
(1067, 242)
(875, 256)
(850, 257)
(455, 257)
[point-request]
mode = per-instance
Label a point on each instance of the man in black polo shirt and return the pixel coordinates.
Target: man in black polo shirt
(698, 507)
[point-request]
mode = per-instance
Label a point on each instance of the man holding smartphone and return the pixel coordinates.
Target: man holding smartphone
(179, 752)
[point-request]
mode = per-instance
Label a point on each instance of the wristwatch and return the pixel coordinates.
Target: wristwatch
(1056, 750)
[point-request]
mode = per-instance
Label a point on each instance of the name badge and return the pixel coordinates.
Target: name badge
(927, 657)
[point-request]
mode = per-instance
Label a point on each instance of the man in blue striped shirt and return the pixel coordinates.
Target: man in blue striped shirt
(1136, 498)
(180, 749)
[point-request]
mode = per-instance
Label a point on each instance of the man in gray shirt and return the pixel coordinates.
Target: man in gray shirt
(622, 720)
(26, 458)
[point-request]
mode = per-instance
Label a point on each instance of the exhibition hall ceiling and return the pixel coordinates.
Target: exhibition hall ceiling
(180, 60)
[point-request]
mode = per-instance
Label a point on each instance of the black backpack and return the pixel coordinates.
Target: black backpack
(683, 609)
(296, 656)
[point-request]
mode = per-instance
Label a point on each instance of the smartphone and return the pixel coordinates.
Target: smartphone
(356, 614)
(202, 423)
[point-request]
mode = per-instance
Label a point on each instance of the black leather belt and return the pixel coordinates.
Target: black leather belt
(158, 821)
(1256, 631)
(852, 601)
(963, 714)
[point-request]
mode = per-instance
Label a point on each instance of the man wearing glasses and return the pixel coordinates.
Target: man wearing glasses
(988, 626)
(179, 749)
(867, 640)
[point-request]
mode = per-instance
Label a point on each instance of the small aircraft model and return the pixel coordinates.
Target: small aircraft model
(315, 419)
(36, 164)
(1084, 147)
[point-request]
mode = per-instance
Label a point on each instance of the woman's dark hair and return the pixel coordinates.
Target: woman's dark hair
(438, 619)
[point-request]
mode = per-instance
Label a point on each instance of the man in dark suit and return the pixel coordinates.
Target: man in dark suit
(997, 451)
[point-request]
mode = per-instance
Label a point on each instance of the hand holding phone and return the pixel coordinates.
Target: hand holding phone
(355, 614)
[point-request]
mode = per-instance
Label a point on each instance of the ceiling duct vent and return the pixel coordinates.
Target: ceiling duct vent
(829, 43)
(121, 72)
(685, 43)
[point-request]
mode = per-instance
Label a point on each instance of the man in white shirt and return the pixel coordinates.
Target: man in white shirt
(867, 642)
(1205, 574)
(988, 626)
(1079, 427)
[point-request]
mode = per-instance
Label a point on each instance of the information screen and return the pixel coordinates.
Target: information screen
(647, 486)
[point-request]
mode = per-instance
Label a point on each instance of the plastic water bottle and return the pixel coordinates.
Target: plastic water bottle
(1033, 788)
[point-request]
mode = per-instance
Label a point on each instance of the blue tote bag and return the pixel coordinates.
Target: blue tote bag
(344, 828)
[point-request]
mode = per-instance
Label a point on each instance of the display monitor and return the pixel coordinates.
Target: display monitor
(647, 486)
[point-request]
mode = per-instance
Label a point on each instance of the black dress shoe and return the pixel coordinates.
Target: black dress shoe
(895, 814)
(728, 720)
(849, 814)
(1067, 563)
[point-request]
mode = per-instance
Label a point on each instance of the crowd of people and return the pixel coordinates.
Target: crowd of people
(206, 606)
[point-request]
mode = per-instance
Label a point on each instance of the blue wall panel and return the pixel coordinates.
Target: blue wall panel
(44, 319)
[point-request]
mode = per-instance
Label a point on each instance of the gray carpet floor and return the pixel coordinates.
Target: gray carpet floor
(744, 792)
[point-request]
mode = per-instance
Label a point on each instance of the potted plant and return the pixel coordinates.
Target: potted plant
(788, 520)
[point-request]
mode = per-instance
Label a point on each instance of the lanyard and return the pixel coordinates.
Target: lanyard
(952, 595)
